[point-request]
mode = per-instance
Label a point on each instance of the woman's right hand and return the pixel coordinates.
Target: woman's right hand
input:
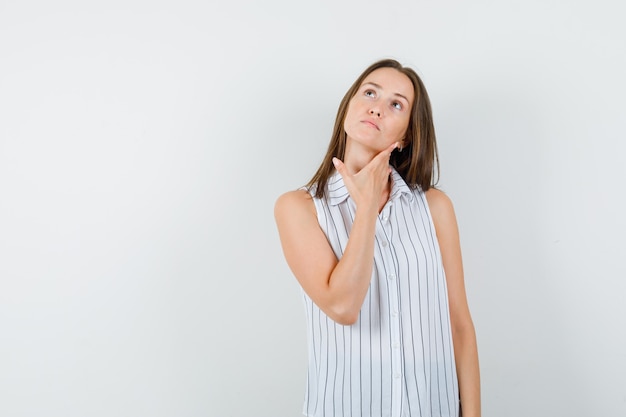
(367, 186)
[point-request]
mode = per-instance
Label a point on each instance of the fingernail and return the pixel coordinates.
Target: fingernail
(335, 161)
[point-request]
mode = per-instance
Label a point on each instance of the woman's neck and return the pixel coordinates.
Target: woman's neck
(357, 156)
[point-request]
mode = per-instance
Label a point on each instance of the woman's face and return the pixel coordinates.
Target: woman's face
(378, 115)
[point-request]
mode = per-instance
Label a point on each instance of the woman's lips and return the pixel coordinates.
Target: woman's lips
(369, 122)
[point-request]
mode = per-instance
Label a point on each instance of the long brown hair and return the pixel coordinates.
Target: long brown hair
(417, 163)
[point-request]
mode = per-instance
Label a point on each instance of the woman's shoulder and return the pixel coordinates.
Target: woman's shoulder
(440, 205)
(294, 202)
(292, 197)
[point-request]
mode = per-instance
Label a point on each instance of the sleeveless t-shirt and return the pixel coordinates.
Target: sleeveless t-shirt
(397, 360)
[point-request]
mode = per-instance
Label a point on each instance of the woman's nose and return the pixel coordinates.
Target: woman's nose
(375, 112)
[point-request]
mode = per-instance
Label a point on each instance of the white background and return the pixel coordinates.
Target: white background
(143, 144)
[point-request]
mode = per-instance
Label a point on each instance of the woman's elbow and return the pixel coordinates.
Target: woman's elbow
(344, 316)
(462, 329)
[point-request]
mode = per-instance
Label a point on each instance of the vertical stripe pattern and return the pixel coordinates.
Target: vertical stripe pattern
(397, 360)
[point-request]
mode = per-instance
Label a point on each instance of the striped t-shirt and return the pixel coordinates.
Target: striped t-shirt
(397, 360)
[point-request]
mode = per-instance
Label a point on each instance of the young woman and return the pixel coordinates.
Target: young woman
(376, 250)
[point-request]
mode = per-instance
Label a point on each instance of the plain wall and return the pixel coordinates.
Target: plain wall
(143, 144)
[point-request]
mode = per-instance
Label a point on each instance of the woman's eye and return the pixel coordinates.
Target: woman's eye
(397, 105)
(369, 93)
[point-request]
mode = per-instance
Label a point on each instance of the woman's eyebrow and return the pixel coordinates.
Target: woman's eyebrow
(380, 87)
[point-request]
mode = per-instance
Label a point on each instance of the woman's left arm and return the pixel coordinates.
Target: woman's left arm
(463, 333)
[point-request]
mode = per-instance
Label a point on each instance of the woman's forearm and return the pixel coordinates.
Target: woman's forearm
(349, 281)
(468, 372)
